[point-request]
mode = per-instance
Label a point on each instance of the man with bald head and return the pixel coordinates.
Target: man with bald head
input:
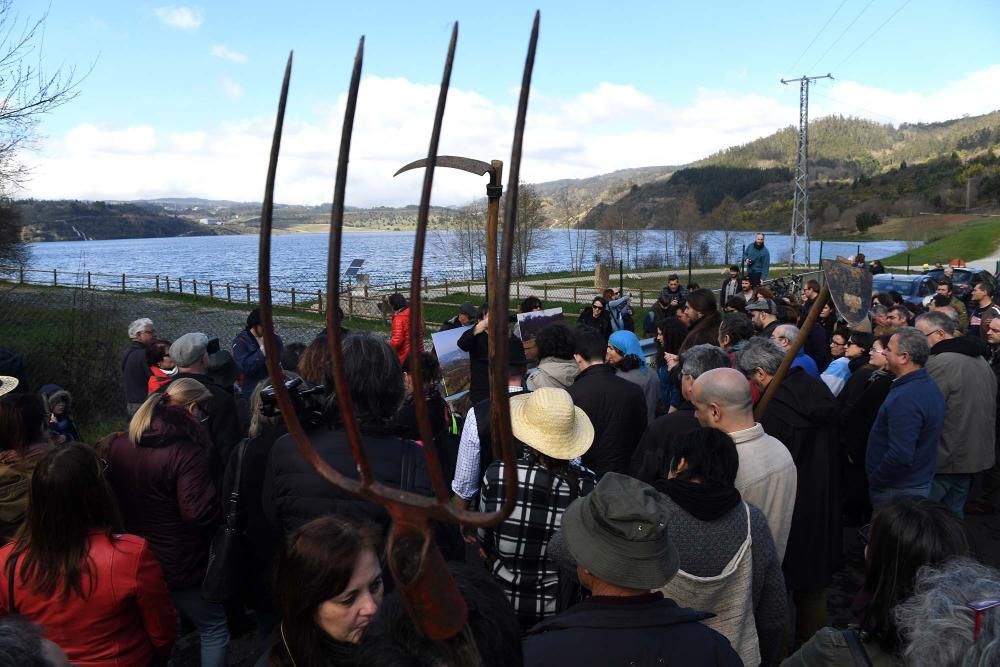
(767, 477)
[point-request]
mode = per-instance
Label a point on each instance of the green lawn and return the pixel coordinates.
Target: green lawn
(969, 242)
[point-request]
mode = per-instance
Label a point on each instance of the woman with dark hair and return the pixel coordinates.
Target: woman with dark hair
(161, 366)
(703, 319)
(670, 334)
(857, 418)
(399, 340)
(437, 407)
(625, 354)
(328, 586)
(906, 535)
(728, 562)
(98, 594)
(23, 441)
(160, 473)
(597, 317)
(556, 366)
(554, 434)
(530, 304)
(295, 493)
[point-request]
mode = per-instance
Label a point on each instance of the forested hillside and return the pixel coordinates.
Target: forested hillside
(72, 220)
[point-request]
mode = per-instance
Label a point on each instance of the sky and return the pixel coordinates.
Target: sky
(179, 99)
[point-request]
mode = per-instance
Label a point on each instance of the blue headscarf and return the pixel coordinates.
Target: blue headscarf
(627, 343)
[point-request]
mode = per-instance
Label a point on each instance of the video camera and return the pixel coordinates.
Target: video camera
(307, 399)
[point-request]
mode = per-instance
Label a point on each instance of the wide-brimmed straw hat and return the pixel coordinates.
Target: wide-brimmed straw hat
(546, 420)
(8, 383)
(619, 532)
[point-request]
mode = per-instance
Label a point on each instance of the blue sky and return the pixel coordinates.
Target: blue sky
(180, 98)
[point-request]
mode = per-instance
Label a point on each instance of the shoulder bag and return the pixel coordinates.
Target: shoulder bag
(222, 579)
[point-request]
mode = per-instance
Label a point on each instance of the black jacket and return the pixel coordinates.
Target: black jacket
(803, 416)
(646, 631)
(294, 493)
(135, 372)
(617, 409)
(223, 423)
(655, 448)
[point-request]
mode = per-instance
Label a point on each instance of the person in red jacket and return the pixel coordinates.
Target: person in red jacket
(400, 339)
(98, 594)
(160, 473)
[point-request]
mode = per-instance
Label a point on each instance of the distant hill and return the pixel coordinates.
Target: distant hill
(855, 166)
(69, 220)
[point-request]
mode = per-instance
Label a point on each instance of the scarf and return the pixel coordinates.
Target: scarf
(707, 502)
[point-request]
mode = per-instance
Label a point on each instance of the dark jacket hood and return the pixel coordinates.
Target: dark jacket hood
(600, 615)
(170, 424)
(967, 345)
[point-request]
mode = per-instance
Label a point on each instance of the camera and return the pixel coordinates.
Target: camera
(307, 399)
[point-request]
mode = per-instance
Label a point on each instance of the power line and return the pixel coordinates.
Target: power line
(842, 2)
(865, 41)
(839, 37)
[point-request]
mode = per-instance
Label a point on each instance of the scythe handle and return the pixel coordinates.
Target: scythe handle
(786, 363)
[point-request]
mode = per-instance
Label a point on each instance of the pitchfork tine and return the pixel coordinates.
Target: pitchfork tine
(500, 298)
(333, 337)
(264, 284)
(416, 305)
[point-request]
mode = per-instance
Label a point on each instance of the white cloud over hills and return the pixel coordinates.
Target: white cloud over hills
(612, 126)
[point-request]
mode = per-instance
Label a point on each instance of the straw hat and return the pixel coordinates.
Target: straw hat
(547, 421)
(7, 384)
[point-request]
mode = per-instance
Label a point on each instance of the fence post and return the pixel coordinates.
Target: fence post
(123, 280)
(427, 288)
(166, 279)
(907, 262)
(22, 274)
(319, 300)
(642, 301)
(574, 293)
(446, 286)
(157, 282)
(55, 277)
(229, 293)
(350, 304)
(194, 286)
(88, 281)
(366, 290)
(248, 292)
(180, 285)
(820, 263)
(519, 291)
(545, 292)
(293, 297)
(211, 290)
(690, 260)
(621, 277)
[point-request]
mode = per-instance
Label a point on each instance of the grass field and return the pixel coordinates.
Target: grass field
(973, 240)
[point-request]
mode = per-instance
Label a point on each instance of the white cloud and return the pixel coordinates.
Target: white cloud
(233, 90)
(221, 51)
(611, 127)
(179, 17)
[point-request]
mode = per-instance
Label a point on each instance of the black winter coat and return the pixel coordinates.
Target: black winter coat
(617, 409)
(223, 424)
(135, 372)
(803, 416)
(645, 632)
(294, 493)
(166, 494)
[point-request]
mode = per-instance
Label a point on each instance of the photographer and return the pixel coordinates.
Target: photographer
(757, 260)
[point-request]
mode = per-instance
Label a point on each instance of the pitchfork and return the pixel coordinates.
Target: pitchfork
(430, 595)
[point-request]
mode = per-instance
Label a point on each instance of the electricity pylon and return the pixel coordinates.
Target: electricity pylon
(800, 210)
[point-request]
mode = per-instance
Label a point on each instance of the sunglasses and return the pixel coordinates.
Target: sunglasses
(596, 307)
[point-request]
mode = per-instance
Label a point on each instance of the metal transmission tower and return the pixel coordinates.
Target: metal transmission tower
(800, 210)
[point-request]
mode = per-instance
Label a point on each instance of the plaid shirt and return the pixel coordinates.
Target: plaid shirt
(518, 546)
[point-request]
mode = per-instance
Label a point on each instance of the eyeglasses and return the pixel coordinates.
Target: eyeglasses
(875, 350)
(596, 307)
(979, 608)
(834, 343)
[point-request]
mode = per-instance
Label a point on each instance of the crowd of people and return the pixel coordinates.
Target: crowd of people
(656, 519)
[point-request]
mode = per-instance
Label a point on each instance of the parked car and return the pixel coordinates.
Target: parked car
(913, 288)
(964, 278)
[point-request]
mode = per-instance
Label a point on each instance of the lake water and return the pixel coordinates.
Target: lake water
(300, 259)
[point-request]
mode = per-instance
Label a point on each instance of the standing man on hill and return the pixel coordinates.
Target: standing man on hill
(757, 260)
(135, 370)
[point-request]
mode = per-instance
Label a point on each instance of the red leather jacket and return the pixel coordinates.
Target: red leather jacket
(127, 618)
(400, 339)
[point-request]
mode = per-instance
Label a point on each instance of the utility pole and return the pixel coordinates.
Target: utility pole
(800, 210)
